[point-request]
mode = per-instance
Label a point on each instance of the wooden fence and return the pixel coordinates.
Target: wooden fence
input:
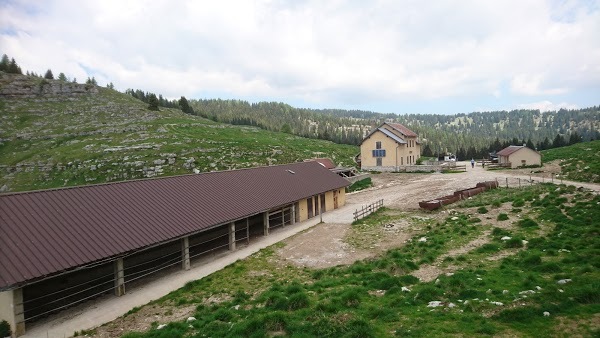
(367, 210)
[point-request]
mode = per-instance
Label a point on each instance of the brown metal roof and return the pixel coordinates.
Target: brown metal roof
(46, 232)
(509, 150)
(326, 162)
(401, 128)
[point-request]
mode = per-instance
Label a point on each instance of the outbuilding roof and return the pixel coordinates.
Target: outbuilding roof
(46, 232)
(326, 162)
(510, 150)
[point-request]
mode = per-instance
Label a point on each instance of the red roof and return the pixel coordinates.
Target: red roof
(46, 232)
(402, 129)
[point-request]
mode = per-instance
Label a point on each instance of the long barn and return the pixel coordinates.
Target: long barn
(61, 247)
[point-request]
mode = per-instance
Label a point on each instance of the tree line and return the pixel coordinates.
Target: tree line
(468, 135)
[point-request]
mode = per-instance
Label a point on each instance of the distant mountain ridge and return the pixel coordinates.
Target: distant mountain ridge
(450, 132)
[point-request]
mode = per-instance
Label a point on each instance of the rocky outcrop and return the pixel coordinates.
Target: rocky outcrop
(22, 86)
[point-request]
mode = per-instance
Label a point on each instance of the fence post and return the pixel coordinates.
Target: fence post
(507, 182)
(519, 183)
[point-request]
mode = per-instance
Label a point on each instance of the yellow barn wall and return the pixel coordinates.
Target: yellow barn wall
(329, 200)
(302, 210)
(528, 155)
(342, 197)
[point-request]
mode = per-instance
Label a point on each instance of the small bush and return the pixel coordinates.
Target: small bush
(518, 203)
(5, 329)
(500, 232)
(531, 260)
(482, 210)
(298, 301)
(360, 185)
(502, 217)
(429, 293)
(513, 243)
(527, 223)
(588, 294)
(488, 247)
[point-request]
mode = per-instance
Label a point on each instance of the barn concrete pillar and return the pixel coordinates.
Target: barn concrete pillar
(247, 230)
(232, 236)
(293, 215)
(266, 223)
(119, 277)
(12, 310)
(185, 253)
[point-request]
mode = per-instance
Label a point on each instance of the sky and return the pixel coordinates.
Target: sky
(397, 56)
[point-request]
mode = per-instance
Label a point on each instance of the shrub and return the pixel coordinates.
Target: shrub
(502, 217)
(360, 185)
(488, 247)
(482, 210)
(513, 243)
(518, 203)
(531, 260)
(429, 293)
(298, 301)
(500, 232)
(5, 329)
(527, 223)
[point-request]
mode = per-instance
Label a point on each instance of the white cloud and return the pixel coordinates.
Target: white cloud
(547, 106)
(329, 53)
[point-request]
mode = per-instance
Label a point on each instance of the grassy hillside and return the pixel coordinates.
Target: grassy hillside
(63, 139)
(579, 162)
(533, 273)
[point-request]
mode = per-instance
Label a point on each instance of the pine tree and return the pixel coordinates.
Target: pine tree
(427, 151)
(62, 77)
(574, 138)
(185, 106)
(4, 63)
(558, 142)
(152, 102)
(13, 67)
(49, 75)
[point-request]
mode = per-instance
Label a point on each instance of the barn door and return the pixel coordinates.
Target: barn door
(335, 199)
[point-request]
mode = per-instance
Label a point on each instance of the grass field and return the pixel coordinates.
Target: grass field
(579, 162)
(110, 136)
(543, 281)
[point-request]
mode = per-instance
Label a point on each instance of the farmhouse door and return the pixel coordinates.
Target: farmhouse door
(322, 199)
(310, 205)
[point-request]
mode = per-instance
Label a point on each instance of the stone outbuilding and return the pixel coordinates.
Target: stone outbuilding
(519, 156)
(61, 247)
(389, 147)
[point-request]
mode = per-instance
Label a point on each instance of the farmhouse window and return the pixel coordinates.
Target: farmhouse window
(378, 152)
(378, 145)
